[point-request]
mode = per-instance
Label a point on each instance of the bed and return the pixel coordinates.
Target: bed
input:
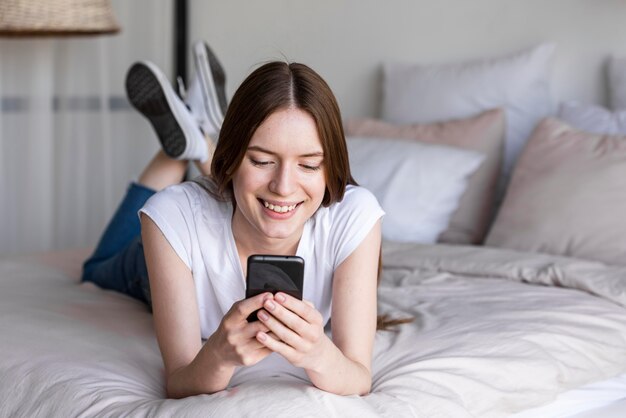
(503, 239)
(496, 332)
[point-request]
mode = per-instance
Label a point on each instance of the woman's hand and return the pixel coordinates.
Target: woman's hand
(341, 365)
(234, 342)
(298, 332)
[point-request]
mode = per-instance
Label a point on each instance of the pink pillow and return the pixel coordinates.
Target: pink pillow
(567, 196)
(483, 133)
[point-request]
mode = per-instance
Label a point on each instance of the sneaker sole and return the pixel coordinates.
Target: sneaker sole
(148, 96)
(219, 78)
(213, 78)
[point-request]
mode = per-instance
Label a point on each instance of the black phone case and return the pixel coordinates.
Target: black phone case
(274, 273)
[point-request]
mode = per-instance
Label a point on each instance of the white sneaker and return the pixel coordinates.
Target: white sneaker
(206, 96)
(150, 92)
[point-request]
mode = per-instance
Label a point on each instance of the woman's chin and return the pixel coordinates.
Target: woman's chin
(278, 233)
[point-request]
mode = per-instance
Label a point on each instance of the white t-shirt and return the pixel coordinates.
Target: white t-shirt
(198, 227)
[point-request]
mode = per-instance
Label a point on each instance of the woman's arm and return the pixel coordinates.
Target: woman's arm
(190, 367)
(343, 365)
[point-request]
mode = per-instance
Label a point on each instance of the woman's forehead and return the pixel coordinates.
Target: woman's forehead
(288, 130)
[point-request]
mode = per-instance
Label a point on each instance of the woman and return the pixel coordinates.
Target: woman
(280, 184)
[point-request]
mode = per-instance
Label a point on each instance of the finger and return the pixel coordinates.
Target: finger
(276, 346)
(284, 315)
(253, 353)
(253, 328)
(282, 332)
(304, 309)
(242, 309)
(255, 345)
(241, 336)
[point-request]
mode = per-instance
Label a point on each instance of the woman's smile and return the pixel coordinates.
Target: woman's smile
(282, 208)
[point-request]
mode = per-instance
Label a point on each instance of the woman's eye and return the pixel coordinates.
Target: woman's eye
(310, 167)
(260, 163)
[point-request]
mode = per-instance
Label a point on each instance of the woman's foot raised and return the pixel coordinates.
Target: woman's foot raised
(150, 92)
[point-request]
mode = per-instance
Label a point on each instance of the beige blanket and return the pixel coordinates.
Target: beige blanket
(495, 332)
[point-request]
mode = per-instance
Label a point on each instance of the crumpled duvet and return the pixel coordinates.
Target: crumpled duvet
(494, 332)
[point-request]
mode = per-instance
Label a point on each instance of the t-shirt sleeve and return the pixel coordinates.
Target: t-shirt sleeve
(171, 209)
(352, 219)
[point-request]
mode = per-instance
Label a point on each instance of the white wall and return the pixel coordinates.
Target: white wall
(347, 40)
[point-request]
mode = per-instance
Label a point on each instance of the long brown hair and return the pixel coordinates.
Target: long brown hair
(272, 87)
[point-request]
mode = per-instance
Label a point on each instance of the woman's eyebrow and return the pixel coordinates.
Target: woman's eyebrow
(266, 151)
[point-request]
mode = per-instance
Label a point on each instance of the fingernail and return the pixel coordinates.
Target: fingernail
(280, 297)
(261, 336)
(263, 316)
(270, 305)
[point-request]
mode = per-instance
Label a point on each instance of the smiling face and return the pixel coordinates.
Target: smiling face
(280, 182)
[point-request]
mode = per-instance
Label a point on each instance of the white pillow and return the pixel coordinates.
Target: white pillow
(617, 82)
(418, 185)
(415, 93)
(593, 118)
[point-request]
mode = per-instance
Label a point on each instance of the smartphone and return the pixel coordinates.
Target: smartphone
(274, 273)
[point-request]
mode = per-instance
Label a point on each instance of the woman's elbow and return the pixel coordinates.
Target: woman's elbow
(367, 385)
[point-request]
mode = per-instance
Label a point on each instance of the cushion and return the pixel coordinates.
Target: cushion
(566, 196)
(418, 185)
(617, 82)
(483, 133)
(593, 118)
(414, 93)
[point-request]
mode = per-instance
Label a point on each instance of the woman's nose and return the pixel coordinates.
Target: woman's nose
(283, 183)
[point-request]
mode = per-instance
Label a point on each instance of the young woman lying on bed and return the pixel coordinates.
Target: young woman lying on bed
(278, 182)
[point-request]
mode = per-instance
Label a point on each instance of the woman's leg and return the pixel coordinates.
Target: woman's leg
(162, 171)
(118, 262)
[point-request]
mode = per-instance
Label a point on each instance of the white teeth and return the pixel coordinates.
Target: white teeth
(279, 209)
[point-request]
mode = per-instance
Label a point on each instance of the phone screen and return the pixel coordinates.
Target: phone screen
(274, 273)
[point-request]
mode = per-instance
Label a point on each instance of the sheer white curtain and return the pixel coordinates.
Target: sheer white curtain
(69, 141)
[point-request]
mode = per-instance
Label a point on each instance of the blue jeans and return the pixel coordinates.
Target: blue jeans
(118, 263)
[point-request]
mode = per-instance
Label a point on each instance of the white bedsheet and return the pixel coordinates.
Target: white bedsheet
(603, 399)
(484, 343)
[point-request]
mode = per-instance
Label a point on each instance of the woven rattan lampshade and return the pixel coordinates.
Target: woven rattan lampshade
(56, 17)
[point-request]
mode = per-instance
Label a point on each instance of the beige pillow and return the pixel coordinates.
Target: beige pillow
(483, 133)
(567, 196)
